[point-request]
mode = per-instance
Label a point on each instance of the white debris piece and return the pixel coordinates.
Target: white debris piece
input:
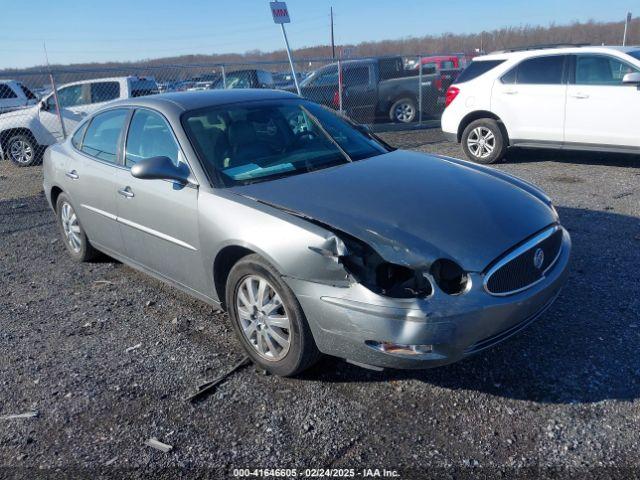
(13, 416)
(158, 445)
(135, 347)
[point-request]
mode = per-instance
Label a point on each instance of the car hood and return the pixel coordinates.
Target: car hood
(414, 208)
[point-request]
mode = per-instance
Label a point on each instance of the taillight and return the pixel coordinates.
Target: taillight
(336, 99)
(438, 83)
(450, 96)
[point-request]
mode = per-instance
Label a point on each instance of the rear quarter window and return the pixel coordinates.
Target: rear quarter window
(6, 92)
(477, 68)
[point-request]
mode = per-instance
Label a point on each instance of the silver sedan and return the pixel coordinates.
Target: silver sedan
(315, 235)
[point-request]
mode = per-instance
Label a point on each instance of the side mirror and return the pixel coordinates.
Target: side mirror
(631, 78)
(43, 105)
(160, 168)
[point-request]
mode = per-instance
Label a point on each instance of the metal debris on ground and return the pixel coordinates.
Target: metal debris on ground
(110, 462)
(209, 385)
(158, 445)
(131, 349)
(102, 282)
(13, 416)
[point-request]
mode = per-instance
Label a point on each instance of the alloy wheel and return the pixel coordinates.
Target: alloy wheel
(71, 227)
(405, 112)
(21, 152)
(263, 318)
(481, 142)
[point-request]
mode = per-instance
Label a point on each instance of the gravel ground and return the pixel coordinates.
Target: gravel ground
(106, 356)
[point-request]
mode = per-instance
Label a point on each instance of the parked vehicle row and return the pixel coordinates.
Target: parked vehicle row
(375, 89)
(578, 98)
(309, 231)
(25, 133)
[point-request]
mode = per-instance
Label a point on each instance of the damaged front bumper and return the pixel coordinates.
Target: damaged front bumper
(349, 322)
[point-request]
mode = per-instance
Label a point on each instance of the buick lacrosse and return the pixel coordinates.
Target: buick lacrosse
(315, 235)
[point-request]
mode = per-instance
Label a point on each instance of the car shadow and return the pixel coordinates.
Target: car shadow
(583, 349)
(535, 155)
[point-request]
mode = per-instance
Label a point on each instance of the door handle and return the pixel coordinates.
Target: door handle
(510, 92)
(580, 95)
(126, 192)
(73, 175)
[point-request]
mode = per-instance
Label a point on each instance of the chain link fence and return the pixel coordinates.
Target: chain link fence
(39, 108)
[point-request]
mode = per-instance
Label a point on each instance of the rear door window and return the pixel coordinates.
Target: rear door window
(102, 135)
(104, 91)
(541, 70)
(477, 68)
(356, 76)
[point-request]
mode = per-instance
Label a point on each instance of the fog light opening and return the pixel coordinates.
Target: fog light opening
(399, 348)
(450, 277)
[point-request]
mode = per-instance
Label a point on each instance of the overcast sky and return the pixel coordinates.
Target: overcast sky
(83, 31)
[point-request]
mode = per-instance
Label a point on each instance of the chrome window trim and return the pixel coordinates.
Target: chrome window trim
(532, 242)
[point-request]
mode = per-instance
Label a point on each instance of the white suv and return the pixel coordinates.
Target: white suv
(584, 98)
(25, 133)
(14, 95)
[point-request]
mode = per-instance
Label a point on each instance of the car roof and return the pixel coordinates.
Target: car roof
(177, 102)
(518, 54)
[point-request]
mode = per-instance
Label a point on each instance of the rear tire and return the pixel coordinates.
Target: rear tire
(73, 235)
(271, 325)
(403, 110)
(23, 150)
(483, 141)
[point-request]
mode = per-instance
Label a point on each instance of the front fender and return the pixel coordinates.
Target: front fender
(293, 245)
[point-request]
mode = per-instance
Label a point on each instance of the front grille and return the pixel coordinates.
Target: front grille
(518, 270)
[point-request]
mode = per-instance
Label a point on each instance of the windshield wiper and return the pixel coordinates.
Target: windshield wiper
(326, 134)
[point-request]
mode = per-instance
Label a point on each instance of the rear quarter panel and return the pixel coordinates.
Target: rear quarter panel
(56, 161)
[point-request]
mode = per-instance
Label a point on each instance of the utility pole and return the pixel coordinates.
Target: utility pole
(333, 45)
(626, 28)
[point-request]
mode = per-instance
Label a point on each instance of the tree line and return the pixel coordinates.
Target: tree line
(591, 32)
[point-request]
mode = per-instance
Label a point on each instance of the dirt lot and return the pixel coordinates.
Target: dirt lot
(565, 393)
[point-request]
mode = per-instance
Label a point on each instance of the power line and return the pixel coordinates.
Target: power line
(218, 33)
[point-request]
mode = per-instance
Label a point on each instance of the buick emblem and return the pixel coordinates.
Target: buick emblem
(538, 258)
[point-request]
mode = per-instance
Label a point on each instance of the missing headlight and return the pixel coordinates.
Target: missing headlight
(367, 267)
(450, 277)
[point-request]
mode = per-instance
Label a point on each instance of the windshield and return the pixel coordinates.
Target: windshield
(241, 144)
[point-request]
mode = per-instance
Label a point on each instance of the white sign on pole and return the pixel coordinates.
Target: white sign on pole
(280, 12)
(281, 15)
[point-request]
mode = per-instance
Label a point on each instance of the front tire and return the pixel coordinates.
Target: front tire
(403, 110)
(268, 319)
(73, 235)
(483, 141)
(23, 150)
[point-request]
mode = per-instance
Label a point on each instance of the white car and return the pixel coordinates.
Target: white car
(25, 133)
(583, 98)
(14, 95)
